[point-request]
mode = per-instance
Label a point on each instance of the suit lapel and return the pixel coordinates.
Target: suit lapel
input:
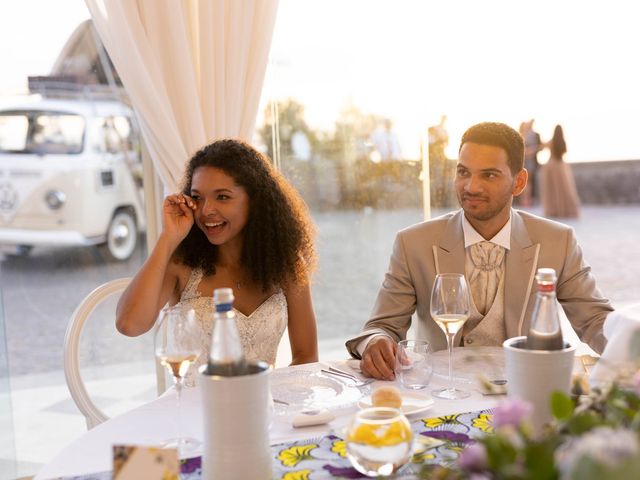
(451, 247)
(519, 273)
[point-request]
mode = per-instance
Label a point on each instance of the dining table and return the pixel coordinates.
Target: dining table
(90, 456)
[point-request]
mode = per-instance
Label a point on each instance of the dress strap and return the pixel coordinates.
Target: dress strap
(191, 290)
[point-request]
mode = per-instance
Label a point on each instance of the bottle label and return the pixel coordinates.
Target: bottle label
(546, 287)
(223, 307)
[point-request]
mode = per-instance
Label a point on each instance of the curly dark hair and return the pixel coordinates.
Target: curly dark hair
(558, 146)
(278, 249)
(498, 135)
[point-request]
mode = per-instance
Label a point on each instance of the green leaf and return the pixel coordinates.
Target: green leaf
(634, 346)
(561, 405)
(500, 451)
(539, 460)
(584, 422)
(588, 469)
(629, 468)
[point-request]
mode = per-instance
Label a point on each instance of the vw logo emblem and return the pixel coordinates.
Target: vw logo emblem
(8, 197)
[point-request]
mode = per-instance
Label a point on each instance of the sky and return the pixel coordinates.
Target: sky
(32, 33)
(558, 62)
(413, 60)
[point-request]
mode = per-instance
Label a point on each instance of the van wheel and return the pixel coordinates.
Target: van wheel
(122, 235)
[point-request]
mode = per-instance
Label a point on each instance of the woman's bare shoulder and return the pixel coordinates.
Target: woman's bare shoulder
(178, 275)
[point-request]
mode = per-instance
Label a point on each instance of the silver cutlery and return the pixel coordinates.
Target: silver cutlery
(357, 382)
(348, 374)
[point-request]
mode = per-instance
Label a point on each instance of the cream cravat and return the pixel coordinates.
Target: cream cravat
(487, 259)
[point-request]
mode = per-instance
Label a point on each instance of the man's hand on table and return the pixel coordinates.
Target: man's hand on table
(379, 358)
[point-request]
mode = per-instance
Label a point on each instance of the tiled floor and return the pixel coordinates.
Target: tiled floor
(46, 418)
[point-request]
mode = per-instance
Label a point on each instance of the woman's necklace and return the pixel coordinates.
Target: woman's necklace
(232, 278)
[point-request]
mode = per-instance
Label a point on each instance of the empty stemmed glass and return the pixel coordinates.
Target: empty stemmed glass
(450, 309)
(177, 346)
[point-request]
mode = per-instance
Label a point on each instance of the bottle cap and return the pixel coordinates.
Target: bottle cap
(546, 278)
(222, 295)
(546, 275)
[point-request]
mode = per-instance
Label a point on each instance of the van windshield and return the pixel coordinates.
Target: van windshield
(41, 132)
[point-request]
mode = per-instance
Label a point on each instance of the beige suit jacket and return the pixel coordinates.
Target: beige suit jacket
(437, 246)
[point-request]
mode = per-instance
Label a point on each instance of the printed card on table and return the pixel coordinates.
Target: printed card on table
(132, 462)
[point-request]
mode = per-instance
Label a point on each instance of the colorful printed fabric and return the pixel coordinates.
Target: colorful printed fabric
(326, 457)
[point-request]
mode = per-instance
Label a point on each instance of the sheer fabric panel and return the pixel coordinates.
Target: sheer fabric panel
(193, 69)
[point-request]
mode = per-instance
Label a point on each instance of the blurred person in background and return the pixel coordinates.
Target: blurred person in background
(386, 143)
(532, 145)
(558, 188)
(441, 185)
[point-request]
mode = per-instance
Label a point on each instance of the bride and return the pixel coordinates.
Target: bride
(236, 223)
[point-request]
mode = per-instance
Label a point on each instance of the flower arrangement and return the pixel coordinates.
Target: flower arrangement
(595, 435)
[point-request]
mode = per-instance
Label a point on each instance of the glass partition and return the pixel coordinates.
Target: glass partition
(355, 144)
(7, 438)
(353, 113)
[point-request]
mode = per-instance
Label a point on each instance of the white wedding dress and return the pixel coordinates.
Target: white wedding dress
(260, 332)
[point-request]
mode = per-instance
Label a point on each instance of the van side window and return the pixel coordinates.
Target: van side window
(104, 137)
(112, 134)
(123, 127)
(41, 132)
(13, 132)
(56, 133)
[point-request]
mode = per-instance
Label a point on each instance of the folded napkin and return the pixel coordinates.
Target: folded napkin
(618, 328)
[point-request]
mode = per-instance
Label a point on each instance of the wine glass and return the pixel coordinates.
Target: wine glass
(450, 309)
(177, 346)
(379, 441)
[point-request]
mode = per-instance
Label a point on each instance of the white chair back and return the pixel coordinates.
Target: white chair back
(75, 383)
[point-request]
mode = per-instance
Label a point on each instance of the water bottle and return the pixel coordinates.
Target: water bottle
(226, 357)
(545, 332)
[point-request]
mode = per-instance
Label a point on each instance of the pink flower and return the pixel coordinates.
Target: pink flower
(635, 381)
(473, 457)
(511, 411)
(479, 476)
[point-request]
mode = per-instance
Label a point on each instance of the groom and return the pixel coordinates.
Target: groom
(498, 249)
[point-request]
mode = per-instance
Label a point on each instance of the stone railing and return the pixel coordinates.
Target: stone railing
(329, 185)
(605, 183)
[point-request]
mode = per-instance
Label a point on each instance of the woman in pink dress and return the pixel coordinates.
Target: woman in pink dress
(558, 189)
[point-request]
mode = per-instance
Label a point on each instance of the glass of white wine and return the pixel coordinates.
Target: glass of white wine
(177, 346)
(450, 309)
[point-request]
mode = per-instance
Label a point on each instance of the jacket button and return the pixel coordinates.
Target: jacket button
(469, 340)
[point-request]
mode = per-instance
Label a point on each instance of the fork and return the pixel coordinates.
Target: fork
(348, 374)
(353, 378)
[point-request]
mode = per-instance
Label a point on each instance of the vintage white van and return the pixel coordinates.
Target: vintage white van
(70, 174)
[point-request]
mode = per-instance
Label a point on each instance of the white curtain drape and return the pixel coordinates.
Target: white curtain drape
(193, 69)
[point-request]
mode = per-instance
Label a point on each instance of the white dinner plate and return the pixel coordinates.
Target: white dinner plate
(311, 389)
(412, 402)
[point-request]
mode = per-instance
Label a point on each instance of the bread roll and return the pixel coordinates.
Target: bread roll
(386, 397)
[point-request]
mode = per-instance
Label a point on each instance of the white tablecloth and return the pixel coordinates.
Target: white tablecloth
(618, 328)
(154, 422)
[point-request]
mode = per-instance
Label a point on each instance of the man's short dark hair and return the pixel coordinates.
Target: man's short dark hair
(498, 135)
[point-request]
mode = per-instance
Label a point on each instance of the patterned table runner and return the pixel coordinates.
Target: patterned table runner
(326, 457)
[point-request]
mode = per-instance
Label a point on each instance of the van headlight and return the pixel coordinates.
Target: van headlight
(55, 199)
